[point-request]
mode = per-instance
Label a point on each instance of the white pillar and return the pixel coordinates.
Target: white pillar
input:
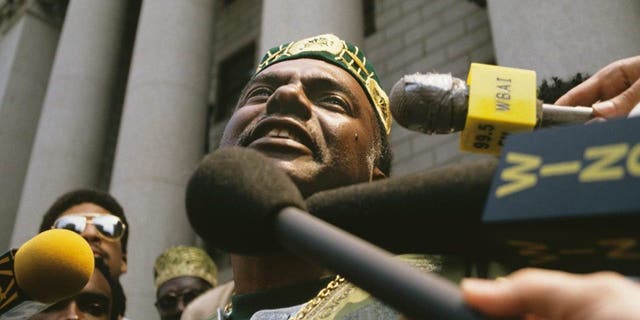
(26, 55)
(162, 134)
(563, 37)
(287, 20)
(69, 142)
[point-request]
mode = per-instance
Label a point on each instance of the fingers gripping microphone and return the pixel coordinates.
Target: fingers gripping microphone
(258, 205)
(52, 266)
(500, 101)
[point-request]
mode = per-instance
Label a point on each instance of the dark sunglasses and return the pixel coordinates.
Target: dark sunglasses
(96, 304)
(109, 227)
(169, 301)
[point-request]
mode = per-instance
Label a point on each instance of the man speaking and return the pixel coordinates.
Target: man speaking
(314, 107)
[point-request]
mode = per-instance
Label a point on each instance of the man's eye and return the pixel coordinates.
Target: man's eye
(259, 93)
(96, 308)
(335, 103)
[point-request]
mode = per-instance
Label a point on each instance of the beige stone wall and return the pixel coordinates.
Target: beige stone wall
(427, 36)
(236, 26)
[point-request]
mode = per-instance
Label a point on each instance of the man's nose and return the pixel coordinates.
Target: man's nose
(290, 99)
(90, 232)
(72, 311)
(181, 305)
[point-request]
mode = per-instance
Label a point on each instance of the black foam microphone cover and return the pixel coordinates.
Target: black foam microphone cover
(433, 211)
(233, 196)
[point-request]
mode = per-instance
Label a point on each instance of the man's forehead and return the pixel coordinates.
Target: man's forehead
(309, 70)
(345, 55)
(182, 283)
(86, 207)
(98, 284)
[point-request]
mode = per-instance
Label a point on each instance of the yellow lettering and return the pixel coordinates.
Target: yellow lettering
(528, 248)
(560, 168)
(621, 248)
(577, 251)
(601, 169)
(518, 175)
(633, 161)
(502, 106)
(503, 96)
(537, 252)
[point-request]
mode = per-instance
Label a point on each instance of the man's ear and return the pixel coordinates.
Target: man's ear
(377, 174)
(123, 266)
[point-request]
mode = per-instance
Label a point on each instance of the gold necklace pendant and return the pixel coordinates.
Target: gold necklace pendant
(323, 294)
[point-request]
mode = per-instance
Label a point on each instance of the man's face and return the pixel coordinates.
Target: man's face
(313, 119)
(93, 302)
(175, 294)
(110, 251)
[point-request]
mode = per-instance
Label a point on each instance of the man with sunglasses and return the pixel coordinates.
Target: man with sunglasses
(98, 218)
(181, 274)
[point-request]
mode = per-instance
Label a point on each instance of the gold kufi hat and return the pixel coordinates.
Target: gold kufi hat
(185, 261)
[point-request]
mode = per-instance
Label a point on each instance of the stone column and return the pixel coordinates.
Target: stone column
(286, 20)
(162, 134)
(562, 37)
(68, 147)
(26, 55)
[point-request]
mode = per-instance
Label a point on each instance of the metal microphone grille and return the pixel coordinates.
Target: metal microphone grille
(430, 103)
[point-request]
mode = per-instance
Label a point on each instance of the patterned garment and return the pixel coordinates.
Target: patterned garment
(341, 300)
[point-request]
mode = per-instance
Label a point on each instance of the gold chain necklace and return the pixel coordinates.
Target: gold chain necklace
(323, 294)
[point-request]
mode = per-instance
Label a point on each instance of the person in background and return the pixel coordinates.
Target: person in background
(181, 274)
(102, 298)
(99, 219)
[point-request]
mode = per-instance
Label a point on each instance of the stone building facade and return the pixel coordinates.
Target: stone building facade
(127, 96)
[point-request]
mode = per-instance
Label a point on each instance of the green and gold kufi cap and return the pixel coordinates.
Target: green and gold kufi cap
(330, 48)
(184, 261)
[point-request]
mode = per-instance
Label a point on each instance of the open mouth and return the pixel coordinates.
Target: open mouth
(281, 135)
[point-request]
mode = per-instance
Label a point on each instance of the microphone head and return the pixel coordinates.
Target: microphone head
(430, 103)
(435, 211)
(53, 265)
(233, 196)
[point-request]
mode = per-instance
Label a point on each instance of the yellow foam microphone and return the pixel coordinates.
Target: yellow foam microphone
(53, 265)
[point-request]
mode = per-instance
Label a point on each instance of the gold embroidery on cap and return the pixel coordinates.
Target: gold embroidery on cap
(340, 50)
(328, 43)
(381, 102)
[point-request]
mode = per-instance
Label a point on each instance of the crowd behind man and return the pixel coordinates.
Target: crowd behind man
(99, 218)
(102, 298)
